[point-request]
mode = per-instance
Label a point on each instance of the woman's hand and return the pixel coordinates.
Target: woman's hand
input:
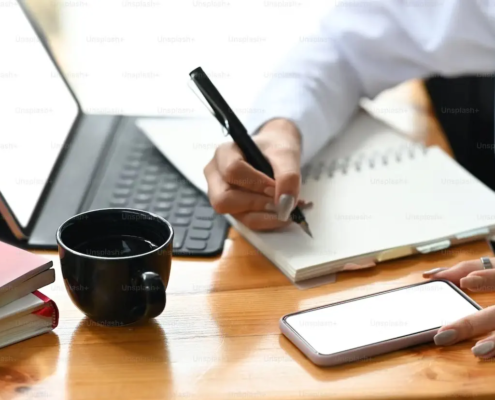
(470, 276)
(254, 199)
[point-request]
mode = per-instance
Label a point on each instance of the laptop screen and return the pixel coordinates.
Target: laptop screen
(37, 111)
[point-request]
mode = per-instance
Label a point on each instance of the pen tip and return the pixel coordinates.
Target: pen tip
(305, 227)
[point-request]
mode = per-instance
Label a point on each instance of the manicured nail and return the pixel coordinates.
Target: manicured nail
(483, 348)
(434, 271)
(445, 337)
(472, 282)
(270, 191)
(270, 207)
(285, 206)
(305, 205)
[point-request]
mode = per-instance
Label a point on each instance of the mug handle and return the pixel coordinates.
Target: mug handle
(154, 292)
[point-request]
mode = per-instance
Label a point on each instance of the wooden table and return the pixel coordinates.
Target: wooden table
(219, 339)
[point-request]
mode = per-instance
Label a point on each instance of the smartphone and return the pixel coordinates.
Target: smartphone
(379, 323)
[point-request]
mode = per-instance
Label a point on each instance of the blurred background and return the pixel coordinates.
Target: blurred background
(133, 56)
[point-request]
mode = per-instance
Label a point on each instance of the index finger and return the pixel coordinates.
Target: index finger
(286, 165)
(281, 141)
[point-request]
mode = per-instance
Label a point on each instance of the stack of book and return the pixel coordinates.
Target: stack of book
(24, 311)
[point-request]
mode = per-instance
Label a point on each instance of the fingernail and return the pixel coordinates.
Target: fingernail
(472, 282)
(305, 205)
(270, 191)
(445, 337)
(434, 271)
(270, 207)
(285, 206)
(483, 348)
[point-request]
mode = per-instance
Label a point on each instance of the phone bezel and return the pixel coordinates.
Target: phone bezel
(319, 358)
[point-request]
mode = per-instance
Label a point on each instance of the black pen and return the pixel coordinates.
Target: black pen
(224, 114)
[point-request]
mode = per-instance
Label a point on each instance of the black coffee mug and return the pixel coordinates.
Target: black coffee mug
(116, 264)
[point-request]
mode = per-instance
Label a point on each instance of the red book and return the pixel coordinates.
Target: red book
(27, 317)
(21, 273)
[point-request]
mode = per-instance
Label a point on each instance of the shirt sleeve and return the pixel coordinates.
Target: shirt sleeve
(363, 47)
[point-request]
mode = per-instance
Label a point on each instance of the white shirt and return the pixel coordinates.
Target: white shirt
(366, 46)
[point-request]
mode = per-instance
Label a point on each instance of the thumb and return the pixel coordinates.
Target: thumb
(287, 183)
(284, 155)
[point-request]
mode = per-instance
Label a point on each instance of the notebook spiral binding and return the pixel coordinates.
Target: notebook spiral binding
(357, 163)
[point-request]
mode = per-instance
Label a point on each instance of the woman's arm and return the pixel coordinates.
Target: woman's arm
(366, 46)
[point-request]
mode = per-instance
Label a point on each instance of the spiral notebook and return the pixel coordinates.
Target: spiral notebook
(377, 196)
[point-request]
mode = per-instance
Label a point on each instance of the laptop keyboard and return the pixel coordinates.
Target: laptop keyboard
(138, 176)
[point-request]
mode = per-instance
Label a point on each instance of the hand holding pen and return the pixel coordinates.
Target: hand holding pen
(256, 180)
(254, 199)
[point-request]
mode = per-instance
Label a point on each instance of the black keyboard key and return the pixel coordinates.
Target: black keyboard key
(163, 214)
(187, 202)
(170, 176)
(170, 187)
(150, 180)
(141, 145)
(184, 212)
(132, 165)
(195, 244)
(181, 221)
(203, 201)
(203, 224)
(153, 169)
(146, 189)
(167, 196)
(118, 202)
(179, 237)
(198, 234)
(164, 206)
(141, 206)
(135, 156)
(122, 193)
(205, 213)
(129, 174)
(143, 198)
(188, 192)
(155, 160)
(125, 183)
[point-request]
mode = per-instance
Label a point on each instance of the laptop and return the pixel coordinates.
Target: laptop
(56, 162)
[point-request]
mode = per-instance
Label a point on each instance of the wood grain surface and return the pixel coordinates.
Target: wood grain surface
(219, 339)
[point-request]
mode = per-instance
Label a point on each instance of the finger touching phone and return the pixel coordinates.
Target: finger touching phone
(367, 326)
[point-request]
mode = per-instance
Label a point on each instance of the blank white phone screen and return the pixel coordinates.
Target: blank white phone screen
(382, 317)
(37, 112)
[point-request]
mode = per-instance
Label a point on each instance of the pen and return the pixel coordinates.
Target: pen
(227, 118)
